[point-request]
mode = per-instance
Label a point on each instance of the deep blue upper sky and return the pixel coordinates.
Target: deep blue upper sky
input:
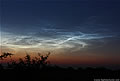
(69, 14)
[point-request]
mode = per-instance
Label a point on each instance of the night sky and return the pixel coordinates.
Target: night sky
(76, 32)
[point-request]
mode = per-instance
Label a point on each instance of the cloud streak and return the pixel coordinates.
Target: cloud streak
(51, 39)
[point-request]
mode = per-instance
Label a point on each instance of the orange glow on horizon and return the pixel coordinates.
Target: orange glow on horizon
(66, 59)
(60, 58)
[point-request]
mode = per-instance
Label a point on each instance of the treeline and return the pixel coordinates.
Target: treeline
(40, 69)
(27, 62)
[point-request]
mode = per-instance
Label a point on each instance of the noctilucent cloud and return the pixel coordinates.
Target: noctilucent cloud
(67, 27)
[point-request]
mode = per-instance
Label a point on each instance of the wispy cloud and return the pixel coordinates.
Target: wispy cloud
(51, 39)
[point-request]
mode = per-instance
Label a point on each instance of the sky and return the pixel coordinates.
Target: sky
(76, 32)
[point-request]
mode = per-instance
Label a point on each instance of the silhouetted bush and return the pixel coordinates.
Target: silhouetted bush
(28, 62)
(39, 69)
(5, 55)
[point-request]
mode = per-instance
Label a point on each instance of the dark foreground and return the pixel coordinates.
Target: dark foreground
(58, 74)
(39, 69)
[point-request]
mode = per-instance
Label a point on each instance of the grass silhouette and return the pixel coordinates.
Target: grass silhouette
(39, 69)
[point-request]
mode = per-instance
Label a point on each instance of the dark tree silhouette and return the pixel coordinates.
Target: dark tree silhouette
(5, 55)
(39, 69)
